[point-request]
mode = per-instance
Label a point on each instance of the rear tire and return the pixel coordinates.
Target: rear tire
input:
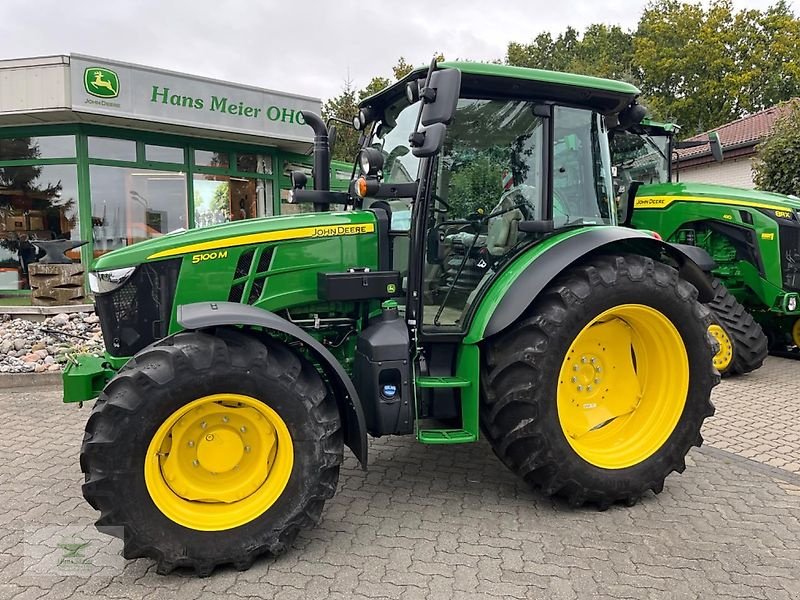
(157, 387)
(748, 345)
(523, 407)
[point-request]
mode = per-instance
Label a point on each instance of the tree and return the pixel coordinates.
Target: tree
(703, 67)
(344, 106)
(777, 166)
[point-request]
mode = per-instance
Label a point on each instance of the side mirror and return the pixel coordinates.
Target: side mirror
(632, 115)
(428, 141)
(332, 138)
(716, 146)
(434, 254)
(630, 202)
(440, 97)
(298, 179)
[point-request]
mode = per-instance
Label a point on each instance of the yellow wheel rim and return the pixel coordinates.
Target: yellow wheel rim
(218, 462)
(724, 356)
(622, 386)
(796, 333)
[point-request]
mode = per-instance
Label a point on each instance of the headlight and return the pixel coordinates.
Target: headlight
(371, 161)
(791, 303)
(101, 282)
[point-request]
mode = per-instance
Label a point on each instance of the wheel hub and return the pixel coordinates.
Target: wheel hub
(622, 386)
(219, 462)
(724, 356)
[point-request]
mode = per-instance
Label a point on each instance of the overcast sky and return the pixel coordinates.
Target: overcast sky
(296, 46)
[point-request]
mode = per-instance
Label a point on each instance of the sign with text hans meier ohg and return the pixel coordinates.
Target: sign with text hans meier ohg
(123, 90)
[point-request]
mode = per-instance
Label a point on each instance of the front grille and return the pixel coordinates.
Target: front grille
(790, 256)
(138, 312)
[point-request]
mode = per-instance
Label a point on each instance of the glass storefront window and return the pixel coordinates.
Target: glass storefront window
(206, 158)
(166, 154)
(131, 205)
(30, 148)
(254, 163)
(37, 203)
(220, 199)
(112, 149)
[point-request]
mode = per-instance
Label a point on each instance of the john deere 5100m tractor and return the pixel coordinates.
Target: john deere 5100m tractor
(241, 359)
(752, 236)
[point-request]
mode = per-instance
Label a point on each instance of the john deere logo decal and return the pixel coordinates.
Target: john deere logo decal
(101, 82)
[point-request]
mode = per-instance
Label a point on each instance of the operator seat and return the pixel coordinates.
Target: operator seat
(504, 228)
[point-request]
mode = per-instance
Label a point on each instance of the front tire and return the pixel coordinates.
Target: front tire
(209, 449)
(743, 346)
(599, 391)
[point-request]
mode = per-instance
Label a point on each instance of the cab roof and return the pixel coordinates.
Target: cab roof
(492, 80)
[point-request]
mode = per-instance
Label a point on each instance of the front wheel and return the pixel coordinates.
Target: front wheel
(743, 346)
(598, 393)
(211, 449)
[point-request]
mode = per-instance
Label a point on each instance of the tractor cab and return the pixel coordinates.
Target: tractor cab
(519, 160)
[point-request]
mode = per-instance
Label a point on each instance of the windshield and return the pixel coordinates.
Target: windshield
(399, 164)
(640, 157)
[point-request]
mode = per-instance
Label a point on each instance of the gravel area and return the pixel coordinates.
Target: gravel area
(28, 347)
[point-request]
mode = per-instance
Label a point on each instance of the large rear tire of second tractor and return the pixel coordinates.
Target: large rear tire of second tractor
(599, 391)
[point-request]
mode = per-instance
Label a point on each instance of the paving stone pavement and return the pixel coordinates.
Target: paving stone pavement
(445, 522)
(758, 415)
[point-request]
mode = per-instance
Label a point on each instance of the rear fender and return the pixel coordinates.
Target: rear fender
(518, 285)
(211, 314)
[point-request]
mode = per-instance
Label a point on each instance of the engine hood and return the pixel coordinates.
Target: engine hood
(708, 192)
(239, 233)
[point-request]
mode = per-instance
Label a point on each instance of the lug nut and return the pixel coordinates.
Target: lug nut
(597, 381)
(242, 428)
(225, 419)
(190, 444)
(203, 425)
(195, 463)
(583, 359)
(580, 388)
(574, 367)
(574, 380)
(247, 448)
(588, 388)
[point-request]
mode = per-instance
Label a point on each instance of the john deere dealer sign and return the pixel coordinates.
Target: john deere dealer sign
(131, 91)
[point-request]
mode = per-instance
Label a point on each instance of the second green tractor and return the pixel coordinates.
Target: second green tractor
(753, 238)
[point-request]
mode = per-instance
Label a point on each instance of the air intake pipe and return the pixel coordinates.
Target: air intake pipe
(322, 151)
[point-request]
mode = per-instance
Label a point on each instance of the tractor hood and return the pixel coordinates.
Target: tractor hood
(709, 192)
(239, 233)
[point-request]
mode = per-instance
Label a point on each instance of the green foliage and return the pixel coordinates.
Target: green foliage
(777, 168)
(477, 184)
(601, 51)
(703, 67)
(344, 106)
(698, 65)
(221, 198)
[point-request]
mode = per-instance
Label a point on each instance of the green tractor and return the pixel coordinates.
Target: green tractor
(241, 359)
(752, 236)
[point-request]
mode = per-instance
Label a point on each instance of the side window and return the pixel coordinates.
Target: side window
(582, 190)
(489, 178)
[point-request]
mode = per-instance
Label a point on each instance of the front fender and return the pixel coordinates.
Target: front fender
(211, 314)
(519, 283)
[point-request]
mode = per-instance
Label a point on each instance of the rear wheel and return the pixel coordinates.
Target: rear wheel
(743, 346)
(796, 333)
(211, 449)
(598, 393)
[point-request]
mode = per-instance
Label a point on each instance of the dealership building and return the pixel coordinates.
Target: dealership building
(113, 153)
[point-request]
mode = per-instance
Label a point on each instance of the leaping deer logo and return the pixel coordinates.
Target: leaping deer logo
(101, 82)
